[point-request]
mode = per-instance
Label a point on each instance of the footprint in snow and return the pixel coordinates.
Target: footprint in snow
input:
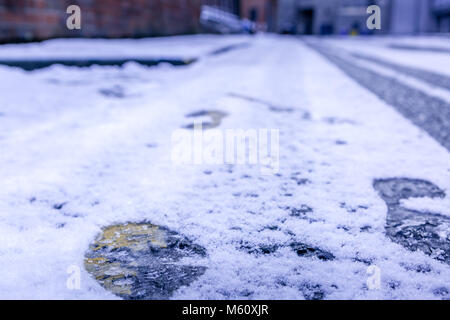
(113, 92)
(415, 230)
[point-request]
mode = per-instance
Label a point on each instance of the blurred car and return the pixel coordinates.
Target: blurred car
(218, 21)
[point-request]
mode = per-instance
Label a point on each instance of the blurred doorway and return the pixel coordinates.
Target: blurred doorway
(305, 21)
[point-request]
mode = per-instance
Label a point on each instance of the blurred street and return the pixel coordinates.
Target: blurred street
(364, 132)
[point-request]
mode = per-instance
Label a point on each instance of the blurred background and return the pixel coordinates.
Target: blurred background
(31, 20)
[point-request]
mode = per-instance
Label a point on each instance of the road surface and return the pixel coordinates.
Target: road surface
(84, 149)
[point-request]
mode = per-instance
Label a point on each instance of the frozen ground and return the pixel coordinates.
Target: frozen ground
(82, 149)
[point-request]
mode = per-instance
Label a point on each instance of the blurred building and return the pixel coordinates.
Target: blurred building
(349, 16)
(417, 16)
(326, 16)
(42, 19)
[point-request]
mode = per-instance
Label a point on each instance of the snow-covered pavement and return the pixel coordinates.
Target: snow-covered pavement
(82, 149)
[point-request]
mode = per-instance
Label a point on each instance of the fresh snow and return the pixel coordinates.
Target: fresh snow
(437, 62)
(106, 160)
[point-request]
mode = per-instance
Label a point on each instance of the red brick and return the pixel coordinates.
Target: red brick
(42, 19)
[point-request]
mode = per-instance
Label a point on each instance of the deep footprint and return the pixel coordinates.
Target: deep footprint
(216, 118)
(142, 261)
(415, 230)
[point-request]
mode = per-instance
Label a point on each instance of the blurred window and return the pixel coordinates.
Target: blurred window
(253, 15)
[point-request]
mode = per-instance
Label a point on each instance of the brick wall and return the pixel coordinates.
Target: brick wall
(42, 19)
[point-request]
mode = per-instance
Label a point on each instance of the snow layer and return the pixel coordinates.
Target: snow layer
(73, 160)
(422, 59)
(428, 205)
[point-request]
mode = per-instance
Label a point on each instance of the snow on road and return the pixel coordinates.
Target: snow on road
(406, 53)
(74, 159)
(181, 47)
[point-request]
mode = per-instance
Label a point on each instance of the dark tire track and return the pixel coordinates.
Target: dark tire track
(427, 112)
